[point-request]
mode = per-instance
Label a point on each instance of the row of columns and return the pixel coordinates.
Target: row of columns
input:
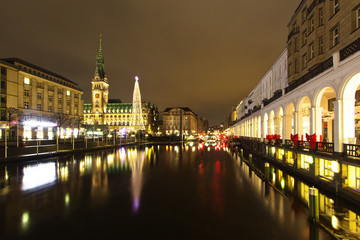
(344, 124)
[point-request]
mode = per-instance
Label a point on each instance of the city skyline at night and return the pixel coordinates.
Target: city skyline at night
(205, 55)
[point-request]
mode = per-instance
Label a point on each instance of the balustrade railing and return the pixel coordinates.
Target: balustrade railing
(350, 49)
(352, 150)
(325, 147)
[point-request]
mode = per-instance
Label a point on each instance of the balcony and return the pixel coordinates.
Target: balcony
(321, 67)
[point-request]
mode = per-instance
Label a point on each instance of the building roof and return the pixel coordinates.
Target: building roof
(8, 64)
(114, 101)
(23, 62)
(186, 109)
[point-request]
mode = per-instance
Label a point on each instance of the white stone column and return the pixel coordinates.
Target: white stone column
(285, 127)
(262, 129)
(338, 141)
(259, 127)
(299, 124)
(296, 122)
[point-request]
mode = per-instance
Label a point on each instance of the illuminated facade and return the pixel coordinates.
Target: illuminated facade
(99, 86)
(38, 94)
(318, 108)
(320, 98)
(137, 120)
(183, 119)
(107, 115)
(118, 117)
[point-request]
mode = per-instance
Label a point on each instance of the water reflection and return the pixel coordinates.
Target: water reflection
(136, 160)
(35, 176)
(188, 190)
(341, 221)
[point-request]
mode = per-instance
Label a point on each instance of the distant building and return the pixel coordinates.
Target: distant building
(182, 119)
(105, 114)
(38, 94)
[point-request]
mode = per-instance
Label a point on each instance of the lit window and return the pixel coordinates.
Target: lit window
(26, 81)
(336, 6)
(38, 107)
(26, 105)
(68, 93)
(321, 45)
(335, 36)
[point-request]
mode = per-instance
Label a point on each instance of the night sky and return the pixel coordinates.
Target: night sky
(202, 54)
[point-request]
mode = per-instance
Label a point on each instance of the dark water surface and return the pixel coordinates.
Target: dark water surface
(158, 192)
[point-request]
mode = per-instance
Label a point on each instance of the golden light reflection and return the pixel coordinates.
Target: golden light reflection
(136, 161)
(334, 222)
(82, 167)
(67, 199)
(98, 161)
(25, 219)
(63, 173)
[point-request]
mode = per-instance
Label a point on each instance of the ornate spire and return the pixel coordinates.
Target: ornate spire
(100, 68)
(100, 49)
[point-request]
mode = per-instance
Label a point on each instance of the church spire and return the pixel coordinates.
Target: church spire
(100, 49)
(100, 68)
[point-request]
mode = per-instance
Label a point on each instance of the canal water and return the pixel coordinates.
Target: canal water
(153, 192)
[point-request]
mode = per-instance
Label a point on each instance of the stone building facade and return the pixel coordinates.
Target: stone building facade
(38, 94)
(183, 119)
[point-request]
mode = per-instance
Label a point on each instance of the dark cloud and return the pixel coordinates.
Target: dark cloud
(203, 54)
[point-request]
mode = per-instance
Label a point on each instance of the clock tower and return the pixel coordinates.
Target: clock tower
(99, 86)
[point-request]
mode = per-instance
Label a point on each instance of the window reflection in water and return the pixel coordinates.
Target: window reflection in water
(136, 160)
(38, 175)
(341, 221)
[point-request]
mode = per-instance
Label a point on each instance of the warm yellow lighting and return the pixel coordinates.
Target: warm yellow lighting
(67, 199)
(26, 80)
(335, 166)
(334, 222)
(282, 183)
(68, 93)
(25, 219)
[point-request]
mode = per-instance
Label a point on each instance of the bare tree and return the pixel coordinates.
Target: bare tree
(78, 121)
(10, 114)
(61, 119)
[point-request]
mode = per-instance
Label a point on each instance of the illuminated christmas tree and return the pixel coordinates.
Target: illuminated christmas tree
(137, 121)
